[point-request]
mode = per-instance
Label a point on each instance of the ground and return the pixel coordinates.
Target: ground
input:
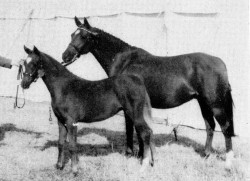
(28, 150)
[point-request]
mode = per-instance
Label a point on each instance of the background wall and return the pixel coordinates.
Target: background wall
(161, 27)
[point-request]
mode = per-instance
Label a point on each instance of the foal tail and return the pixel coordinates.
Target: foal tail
(229, 110)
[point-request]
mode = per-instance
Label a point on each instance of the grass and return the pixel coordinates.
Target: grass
(28, 151)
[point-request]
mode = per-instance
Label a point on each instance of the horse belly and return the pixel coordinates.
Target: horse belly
(169, 93)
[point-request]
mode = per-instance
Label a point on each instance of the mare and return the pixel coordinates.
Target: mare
(170, 81)
(74, 99)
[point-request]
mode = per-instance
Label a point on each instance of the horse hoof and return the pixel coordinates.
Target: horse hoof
(140, 154)
(145, 163)
(229, 160)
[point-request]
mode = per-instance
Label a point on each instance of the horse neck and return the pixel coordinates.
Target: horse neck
(54, 74)
(106, 48)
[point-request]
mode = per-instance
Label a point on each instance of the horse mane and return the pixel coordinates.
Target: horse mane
(110, 42)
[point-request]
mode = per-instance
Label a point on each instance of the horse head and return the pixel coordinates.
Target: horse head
(82, 41)
(32, 67)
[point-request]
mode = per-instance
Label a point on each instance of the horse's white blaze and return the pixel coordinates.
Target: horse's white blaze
(229, 159)
(28, 59)
(77, 32)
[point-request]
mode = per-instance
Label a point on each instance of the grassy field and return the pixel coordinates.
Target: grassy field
(28, 150)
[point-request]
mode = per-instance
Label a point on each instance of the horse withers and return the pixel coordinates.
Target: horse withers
(78, 100)
(170, 81)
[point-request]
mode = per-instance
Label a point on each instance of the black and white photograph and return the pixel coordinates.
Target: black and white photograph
(136, 90)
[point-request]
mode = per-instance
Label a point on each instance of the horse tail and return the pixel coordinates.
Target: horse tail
(229, 104)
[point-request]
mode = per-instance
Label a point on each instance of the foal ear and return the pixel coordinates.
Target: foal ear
(27, 50)
(36, 51)
(86, 23)
(78, 22)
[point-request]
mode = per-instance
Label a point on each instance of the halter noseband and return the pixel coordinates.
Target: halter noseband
(78, 51)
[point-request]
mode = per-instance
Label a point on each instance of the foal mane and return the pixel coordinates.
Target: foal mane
(55, 66)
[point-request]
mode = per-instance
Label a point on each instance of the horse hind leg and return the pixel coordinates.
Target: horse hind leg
(223, 113)
(226, 128)
(210, 125)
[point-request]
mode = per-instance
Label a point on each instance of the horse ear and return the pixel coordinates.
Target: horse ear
(78, 22)
(36, 51)
(27, 50)
(86, 23)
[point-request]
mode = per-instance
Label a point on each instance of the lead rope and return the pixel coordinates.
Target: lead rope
(19, 77)
(20, 69)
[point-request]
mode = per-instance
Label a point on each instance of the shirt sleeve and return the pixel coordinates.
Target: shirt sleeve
(5, 62)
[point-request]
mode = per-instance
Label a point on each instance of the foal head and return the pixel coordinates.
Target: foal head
(32, 68)
(82, 40)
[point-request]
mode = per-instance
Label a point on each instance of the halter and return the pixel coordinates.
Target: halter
(70, 62)
(31, 75)
(82, 28)
(77, 49)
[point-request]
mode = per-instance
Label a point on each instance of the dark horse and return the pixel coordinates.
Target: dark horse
(170, 81)
(74, 99)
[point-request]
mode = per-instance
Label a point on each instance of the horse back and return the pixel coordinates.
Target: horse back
(173, 80)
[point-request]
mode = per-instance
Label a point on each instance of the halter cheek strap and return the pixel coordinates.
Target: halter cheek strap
(40, 72)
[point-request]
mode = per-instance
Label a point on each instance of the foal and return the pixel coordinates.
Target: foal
(78, 100)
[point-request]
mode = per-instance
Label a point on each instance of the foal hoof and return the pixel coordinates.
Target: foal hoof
(207, 153)
(75, 170)
(75, 174)
(59, 167)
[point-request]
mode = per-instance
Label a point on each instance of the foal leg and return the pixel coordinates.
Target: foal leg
(129, 135)
(72, 135)
(210, 125)
(145, 134)
(61, 143)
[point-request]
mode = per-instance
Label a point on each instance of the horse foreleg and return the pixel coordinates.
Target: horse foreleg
(72, 135)
(210, 125)
(61, 143)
